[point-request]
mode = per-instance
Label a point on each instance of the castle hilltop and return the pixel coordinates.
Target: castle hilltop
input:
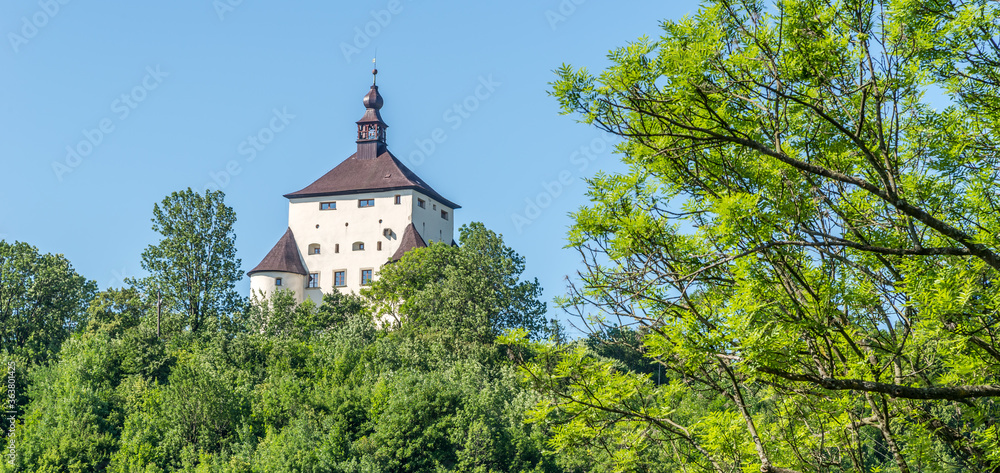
(366, 212)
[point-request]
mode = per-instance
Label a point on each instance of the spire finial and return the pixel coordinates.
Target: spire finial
(374, 71)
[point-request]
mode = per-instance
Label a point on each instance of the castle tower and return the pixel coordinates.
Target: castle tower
(364, 213)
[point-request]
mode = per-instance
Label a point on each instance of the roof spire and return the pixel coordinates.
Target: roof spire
(371, 128)
(374, 70)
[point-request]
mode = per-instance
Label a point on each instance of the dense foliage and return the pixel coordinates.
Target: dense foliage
(806, 242)
(287, 387)
(797, 272)
(469, 293)
(42, 301)
(194, 269)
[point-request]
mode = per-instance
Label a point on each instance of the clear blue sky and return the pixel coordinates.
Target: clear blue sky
(178, 87)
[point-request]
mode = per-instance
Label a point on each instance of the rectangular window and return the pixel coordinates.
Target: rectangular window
(336, 248)
(398, 200)
(338, 279)
(277, 281)
(366, 202)
(328, 206)
(444, 215)
(315, 250)
(421, 203)
(366, 277)
(313, 280)
(378, 246)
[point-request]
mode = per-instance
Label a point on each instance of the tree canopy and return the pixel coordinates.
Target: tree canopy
(472, 291)
(42, 301)
(194, 267)
(294, 387)
(807, 234)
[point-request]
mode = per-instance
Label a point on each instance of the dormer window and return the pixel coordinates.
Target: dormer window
(328, 206)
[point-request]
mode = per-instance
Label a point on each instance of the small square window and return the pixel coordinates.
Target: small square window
(366, 202)
(277, 281)
(421, 203)
(398, 200)
(328, 206)
(338, 279)
(313, 280)
(444, 215)
(366, 277)
(434, 207)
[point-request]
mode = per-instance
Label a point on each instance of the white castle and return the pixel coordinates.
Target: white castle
(366, 212)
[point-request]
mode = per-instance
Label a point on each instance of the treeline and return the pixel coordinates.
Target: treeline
(797, 271)
(141, 379)
(806, 240)
(345, 397)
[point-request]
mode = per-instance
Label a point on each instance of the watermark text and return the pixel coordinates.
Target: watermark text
(122, 108)
(31, 25)
(455, 116)
(255, 143)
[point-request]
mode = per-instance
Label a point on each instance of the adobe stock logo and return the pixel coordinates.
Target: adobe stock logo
(119, 278)
(223, 7)
(582, 158)
(93, 137)
(456, 116)
(562, 12)
(363, 35)
(249, 147)
(38, 20)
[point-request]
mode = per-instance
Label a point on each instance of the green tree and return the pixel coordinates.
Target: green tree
(280, 315)
(194, 267)
(472, 292)
(74, 417)
(808, 230)
(42, 301)
(115, 311)
(456, 419)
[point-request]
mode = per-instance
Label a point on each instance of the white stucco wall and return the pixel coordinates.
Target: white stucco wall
(428, 221)
(349, 224)
(264, 281)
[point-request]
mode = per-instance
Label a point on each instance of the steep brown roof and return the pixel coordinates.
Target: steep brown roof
(368, 175)
(283, 257)
(411, 239)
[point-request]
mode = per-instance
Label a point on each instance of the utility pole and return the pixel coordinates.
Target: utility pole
(159, 300)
